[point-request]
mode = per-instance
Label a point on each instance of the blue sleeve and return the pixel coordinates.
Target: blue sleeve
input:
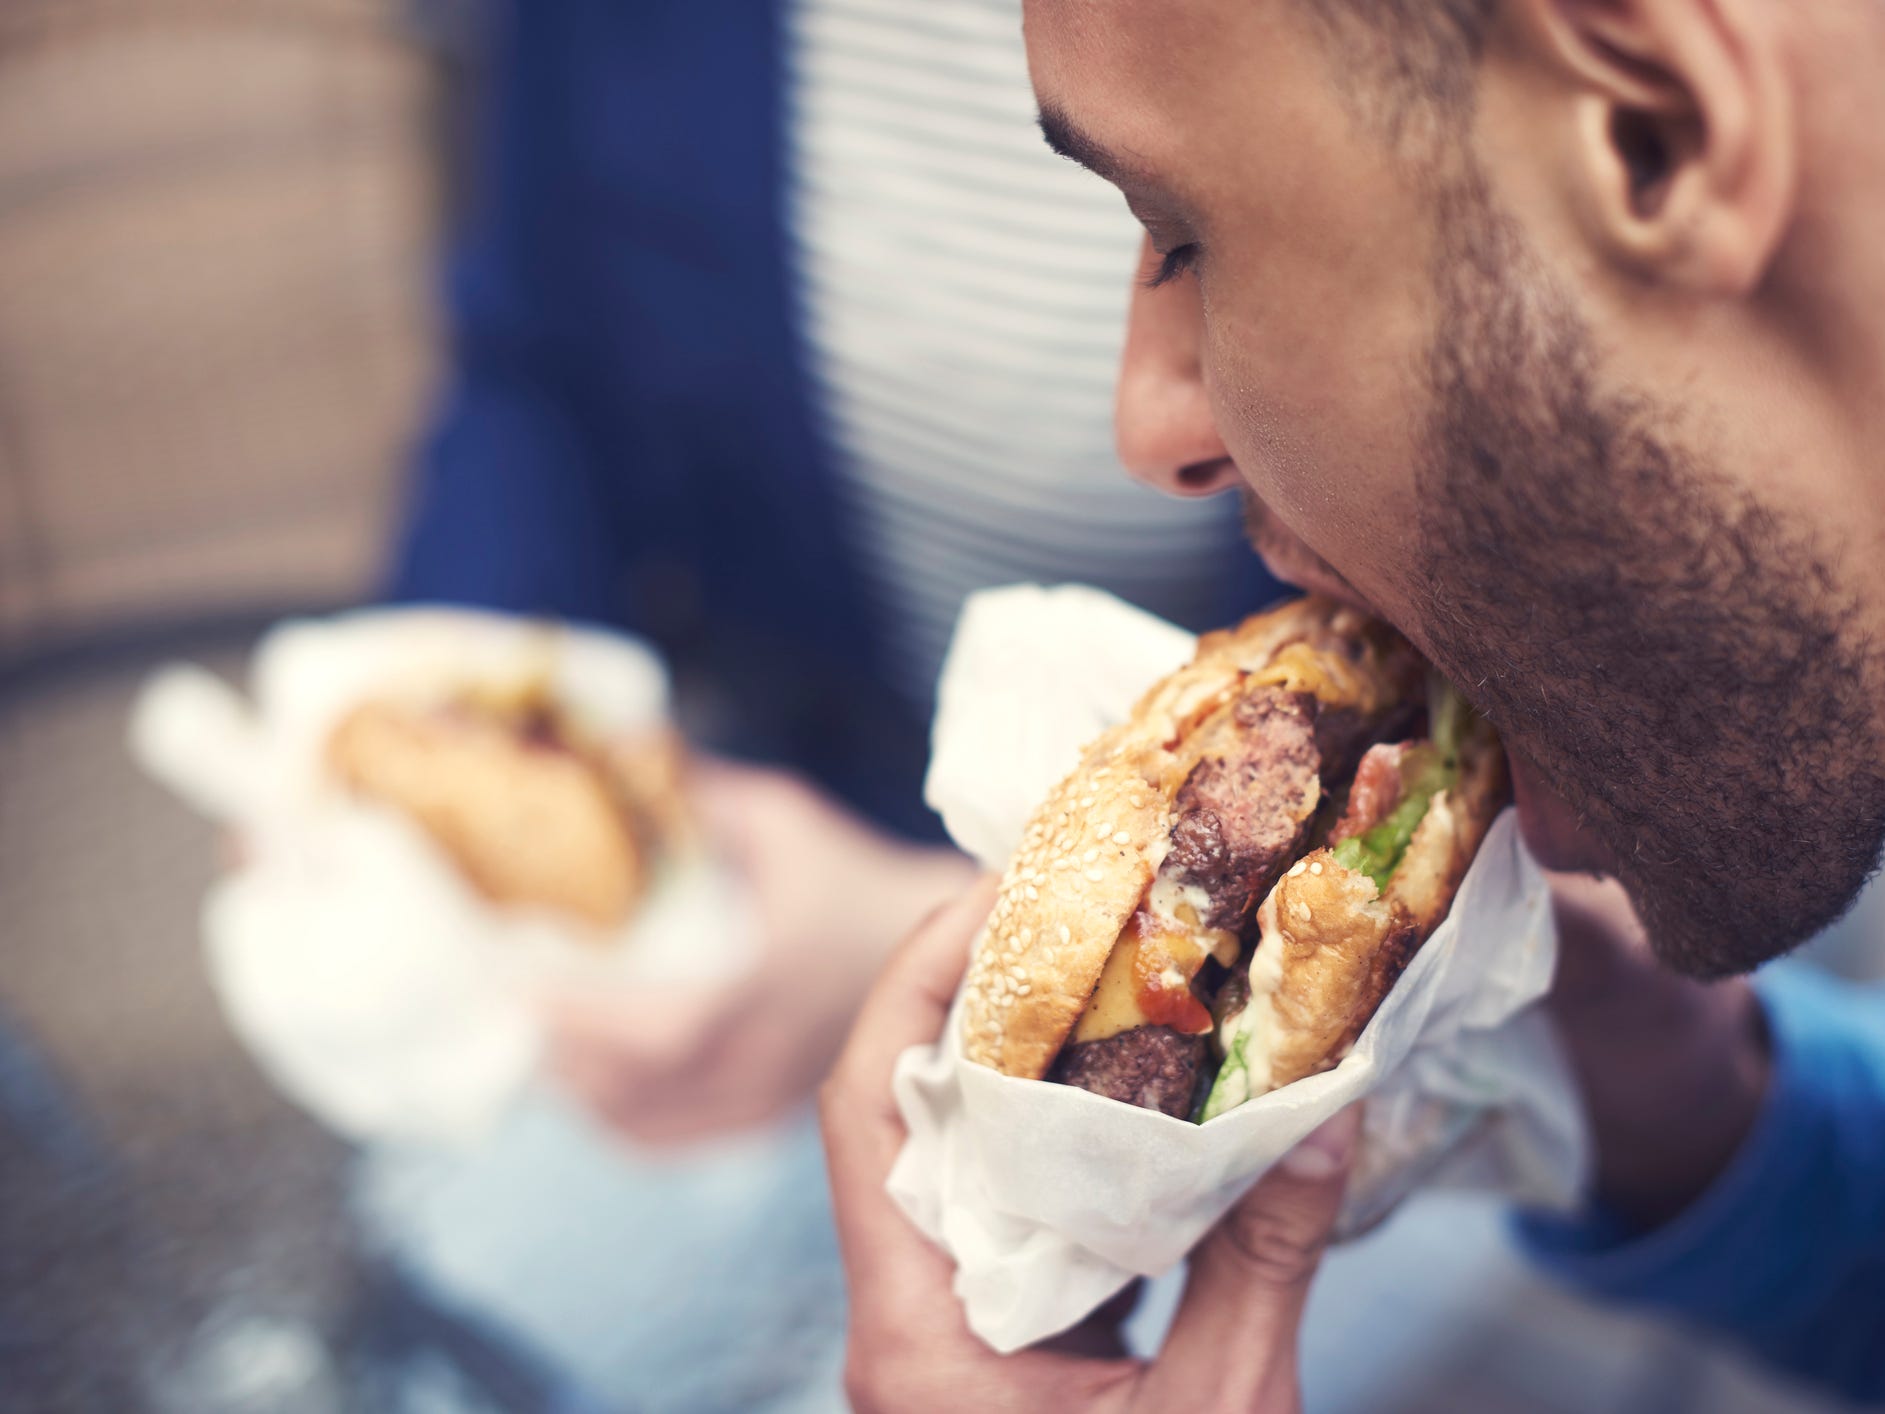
(1785, 1254)
(509, 508)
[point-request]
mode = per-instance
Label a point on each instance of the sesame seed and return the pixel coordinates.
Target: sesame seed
(1316, 868)
(1090, 856)
(1094, 875)
(1295, 869)
(1066, 933)
(1121, 837)
(1033, 893)
(1301, 910)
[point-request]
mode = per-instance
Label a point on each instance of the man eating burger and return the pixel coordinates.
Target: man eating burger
(1552, 331)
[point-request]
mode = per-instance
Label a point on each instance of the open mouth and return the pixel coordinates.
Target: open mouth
(1294, 562)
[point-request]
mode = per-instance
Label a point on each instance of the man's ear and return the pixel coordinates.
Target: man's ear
(1684, 161)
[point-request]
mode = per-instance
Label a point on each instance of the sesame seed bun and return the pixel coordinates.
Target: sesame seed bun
(1092, 850)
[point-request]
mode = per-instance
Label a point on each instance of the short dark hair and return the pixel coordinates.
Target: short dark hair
(1419, 57)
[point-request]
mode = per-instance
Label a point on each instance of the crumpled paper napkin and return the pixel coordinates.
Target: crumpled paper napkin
(1051, 1199)
(371, 982)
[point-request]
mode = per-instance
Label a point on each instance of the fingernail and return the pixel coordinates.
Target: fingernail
(1325, 1152)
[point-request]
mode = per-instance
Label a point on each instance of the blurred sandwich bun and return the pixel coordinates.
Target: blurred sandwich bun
(533, 810)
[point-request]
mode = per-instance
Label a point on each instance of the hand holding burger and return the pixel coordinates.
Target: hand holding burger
(1233, 1343)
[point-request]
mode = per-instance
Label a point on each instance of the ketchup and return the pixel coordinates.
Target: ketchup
(1163, 1001)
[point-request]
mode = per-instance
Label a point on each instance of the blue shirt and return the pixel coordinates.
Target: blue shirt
(1786, 1252)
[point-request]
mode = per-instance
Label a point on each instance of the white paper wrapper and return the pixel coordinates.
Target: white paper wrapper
(373, 984)
(1051, 1199)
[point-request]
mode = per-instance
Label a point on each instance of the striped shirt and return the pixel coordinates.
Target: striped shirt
(964, 296)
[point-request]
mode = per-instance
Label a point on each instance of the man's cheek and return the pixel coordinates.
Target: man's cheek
(1285, 431)
(1329, 442)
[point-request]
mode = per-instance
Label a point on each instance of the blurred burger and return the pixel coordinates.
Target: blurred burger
(532, 809)
(1216, 900)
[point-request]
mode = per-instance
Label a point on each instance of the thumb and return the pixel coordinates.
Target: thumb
(1249, 1279)
(725, 795)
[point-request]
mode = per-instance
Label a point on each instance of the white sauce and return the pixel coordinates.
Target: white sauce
(1168, 895)
(1257, 1021)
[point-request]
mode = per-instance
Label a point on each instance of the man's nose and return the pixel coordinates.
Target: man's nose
(1162, 419)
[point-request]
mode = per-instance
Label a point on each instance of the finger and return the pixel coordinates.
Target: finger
(907, 1005)
(613, 1092)
(1100, 1334)
(620, 1053)
(1243, 1303)
(672, 1122)
(884, 1255)
(663, 1028)
(235, 850)
(738, 804)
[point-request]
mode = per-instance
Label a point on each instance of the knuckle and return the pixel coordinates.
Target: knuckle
(1273, 1247)
(871, 1375)
(861, 1387)
(832, 1098)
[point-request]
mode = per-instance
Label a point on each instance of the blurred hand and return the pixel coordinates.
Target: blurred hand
(1673, 1072)
(1233, 1344)
(831, 893)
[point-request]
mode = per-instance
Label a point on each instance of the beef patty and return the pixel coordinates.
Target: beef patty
(1244, 810)
(1153, 1067)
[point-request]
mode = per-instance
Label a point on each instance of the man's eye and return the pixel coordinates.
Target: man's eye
(1177, 261)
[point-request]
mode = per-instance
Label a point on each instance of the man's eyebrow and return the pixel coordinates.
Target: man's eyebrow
(1068, 139)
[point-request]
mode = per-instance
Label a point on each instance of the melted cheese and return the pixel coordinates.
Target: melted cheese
(1169, 924)
(1114, 1006)
(1299, 667)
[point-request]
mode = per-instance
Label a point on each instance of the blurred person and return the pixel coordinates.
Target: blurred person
(1552, 330)
(776, 381)
(774, 333)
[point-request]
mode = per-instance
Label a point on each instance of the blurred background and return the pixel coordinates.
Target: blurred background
(220, 344)
(218, 225)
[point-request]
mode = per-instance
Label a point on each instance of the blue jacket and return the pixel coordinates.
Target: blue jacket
(630, 436)
(1786, 1252)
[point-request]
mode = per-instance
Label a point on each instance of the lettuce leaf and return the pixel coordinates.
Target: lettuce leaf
(1425, 772)
(1232, 1085)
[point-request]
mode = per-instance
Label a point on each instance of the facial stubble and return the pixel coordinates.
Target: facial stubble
(1674, 656)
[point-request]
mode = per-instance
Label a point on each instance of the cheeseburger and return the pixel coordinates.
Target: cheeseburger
(1216, 900)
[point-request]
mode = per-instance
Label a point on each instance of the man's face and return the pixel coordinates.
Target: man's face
(1356, 331)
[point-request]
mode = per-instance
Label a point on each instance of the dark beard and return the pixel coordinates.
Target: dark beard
(1673, 655)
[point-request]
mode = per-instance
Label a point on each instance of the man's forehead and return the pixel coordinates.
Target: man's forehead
(1145, 91)
(1091, 60)
(1146, 31)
